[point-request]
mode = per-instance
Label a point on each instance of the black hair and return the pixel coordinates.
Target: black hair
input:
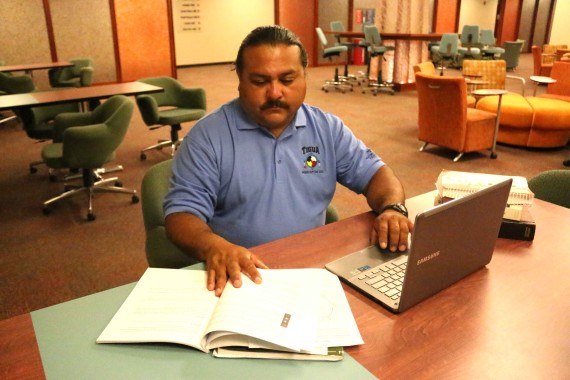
(270, 35)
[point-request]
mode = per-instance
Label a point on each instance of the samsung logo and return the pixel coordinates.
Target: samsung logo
(428, 257)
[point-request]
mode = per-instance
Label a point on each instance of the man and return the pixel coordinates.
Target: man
(265, 165)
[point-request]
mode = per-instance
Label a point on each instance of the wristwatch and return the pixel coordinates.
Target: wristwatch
(396, 207)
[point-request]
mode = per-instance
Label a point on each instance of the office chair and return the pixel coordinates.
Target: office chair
(470, 45)
(78, 75)
(338, 26)
(37, 122)
(160, 251)
(376, 49)
(489, 41)
(512, 54)
(445, 120)
(172, 107)
(337, 83)
(446, 51)
(10, 84)
(552, 186)
(86, 141)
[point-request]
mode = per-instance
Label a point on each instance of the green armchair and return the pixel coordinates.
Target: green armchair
(78, 75)
(86, 141)
(172, 107)
(160, 251)
(552, 186)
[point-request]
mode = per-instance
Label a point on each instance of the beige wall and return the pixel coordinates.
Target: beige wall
(224, 24)
(477, 12)
(560, 34)
(83, 29)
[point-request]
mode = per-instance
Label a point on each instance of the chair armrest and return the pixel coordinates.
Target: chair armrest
(63, 121)
(521, 79)
(86, 76)
(148, 108)
(193, 98)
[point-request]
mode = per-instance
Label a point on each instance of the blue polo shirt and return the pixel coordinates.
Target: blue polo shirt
(251, 187)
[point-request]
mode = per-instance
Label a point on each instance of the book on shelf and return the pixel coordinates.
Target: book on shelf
(300, 314)
(517, 223)
(456, 184)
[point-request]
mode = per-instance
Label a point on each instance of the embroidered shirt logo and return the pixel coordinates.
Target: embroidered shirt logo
(311, 162)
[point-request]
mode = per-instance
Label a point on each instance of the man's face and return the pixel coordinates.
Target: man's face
(272, 85)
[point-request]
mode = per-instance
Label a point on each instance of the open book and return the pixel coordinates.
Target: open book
(455, 184)
(293, 311)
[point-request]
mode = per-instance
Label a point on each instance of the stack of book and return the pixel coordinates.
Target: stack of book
(518, 223)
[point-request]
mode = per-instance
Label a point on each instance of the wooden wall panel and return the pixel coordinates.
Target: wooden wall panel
(299, 16)
(84, 29)
(143, 39)
(445, 16)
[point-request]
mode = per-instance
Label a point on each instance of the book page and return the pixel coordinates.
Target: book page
(166, 305)
(281, 310)
(320, 316)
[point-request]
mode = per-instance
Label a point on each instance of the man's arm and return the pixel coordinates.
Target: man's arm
(223, 259)
(391, 228)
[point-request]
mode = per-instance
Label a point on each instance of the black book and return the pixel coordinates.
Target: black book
(519, 230)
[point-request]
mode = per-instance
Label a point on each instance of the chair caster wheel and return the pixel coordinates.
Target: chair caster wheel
(493, 155)
(118, 184)
(46, 210)
(33, 170)
(135, 199)
(90, 217)
(143, 156)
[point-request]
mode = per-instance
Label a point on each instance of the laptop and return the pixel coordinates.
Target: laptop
(449, 242)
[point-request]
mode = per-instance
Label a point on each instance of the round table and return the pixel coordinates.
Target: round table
(537, 79)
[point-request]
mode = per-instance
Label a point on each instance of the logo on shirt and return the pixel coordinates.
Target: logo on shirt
(311, 164)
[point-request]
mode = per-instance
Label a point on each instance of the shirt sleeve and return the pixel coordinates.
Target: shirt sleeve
(195, 177)
(356, 163)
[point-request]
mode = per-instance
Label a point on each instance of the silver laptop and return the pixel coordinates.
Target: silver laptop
(449, 242)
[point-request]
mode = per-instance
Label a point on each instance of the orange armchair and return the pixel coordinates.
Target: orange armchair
(561, 88)
(542, 65)
(445, 120)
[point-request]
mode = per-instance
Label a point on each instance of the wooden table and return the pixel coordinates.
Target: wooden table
(506, 321)
(79, 94)
(28, 68)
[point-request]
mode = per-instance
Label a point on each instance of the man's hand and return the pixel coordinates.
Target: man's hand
(391, 230)
(228, 263)
(224, 260)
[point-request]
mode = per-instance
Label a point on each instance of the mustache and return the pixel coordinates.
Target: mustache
(274, 104)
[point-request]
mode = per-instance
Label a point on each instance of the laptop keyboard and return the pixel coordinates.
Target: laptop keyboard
(388, 277)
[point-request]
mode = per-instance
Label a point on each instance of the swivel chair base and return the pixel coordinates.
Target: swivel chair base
(375, 88)
(173, 143)
(92, 182)
(337, 83)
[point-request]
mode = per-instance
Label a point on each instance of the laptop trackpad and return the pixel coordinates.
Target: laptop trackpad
(361, 261)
